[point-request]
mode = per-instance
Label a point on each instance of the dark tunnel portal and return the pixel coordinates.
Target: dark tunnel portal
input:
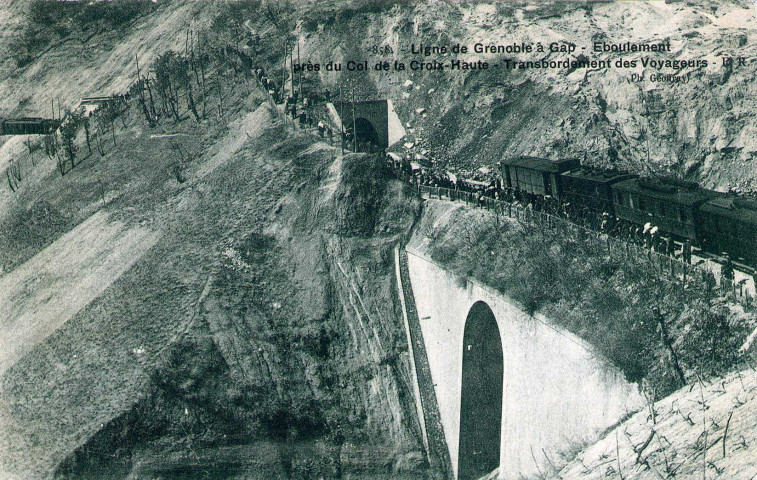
(481, 395)
(367, 137)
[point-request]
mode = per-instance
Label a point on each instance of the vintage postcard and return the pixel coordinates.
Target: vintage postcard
(378, 239)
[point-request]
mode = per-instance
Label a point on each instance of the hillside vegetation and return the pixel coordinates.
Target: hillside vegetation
(250, 314)
(663, 332)
(193, 288)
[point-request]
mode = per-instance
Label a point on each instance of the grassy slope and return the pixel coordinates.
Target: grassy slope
(607, 300)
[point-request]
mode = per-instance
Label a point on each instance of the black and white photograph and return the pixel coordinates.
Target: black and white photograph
(378, 239)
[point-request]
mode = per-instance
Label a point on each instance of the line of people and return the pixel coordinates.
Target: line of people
(303, 112)
(646, 236)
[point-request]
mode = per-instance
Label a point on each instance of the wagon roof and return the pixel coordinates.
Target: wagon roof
(681, 193)
(732, 207)
(542, 164)
(598, 175)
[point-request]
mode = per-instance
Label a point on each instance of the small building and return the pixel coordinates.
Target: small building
(28, 126)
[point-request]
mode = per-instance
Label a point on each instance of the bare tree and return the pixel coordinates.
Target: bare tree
(81, 118)
(99, 140)
(184, 158)
(51, 145)
(219, 90)
(166, 72)
(200, 75)
(109, 112)
(68, 131)
(184, 81)
(139, 89)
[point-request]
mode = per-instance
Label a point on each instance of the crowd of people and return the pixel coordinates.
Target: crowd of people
(490, 186)
(480, 184)
(433, 175)
(308, 112)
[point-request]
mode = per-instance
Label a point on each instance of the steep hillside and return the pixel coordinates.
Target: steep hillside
(260, 296)
(702, 130)
(50, 52)
(212, 287)
(212, 295)
(703, 431)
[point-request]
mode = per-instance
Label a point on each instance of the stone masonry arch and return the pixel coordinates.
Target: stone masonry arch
(481, 394)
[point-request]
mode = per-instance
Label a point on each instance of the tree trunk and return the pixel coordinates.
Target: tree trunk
(86, 135)
(191, 101)
(671, 352)
(152, 100)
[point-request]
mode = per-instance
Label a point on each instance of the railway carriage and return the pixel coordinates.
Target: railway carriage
(590, 190)
(536, 176)
(28, 126)
(716, 222)
(670, 205)
(729, 224)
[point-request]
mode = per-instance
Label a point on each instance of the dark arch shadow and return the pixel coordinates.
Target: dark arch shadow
(367, 136)
(481, 395)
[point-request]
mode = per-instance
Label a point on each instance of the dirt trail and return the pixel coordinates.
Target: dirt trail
(41, 295)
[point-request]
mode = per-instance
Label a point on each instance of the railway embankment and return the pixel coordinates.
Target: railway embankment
(680, 341)
(662, 331)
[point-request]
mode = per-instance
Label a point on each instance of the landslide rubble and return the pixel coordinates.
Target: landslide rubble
(700, 130)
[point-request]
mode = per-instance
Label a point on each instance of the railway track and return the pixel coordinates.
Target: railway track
(743, 286)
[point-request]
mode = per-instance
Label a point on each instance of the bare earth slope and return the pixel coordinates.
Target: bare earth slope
(707, 430)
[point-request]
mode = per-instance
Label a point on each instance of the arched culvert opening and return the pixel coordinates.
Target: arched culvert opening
(481, 395)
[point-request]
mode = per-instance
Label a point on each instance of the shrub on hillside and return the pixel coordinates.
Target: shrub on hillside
(618, 305)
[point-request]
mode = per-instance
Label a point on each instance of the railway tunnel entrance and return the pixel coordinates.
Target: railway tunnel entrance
(366, 136)
(481, 394)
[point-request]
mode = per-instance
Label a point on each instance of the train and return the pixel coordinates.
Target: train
(28, 126)
(719, 224)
